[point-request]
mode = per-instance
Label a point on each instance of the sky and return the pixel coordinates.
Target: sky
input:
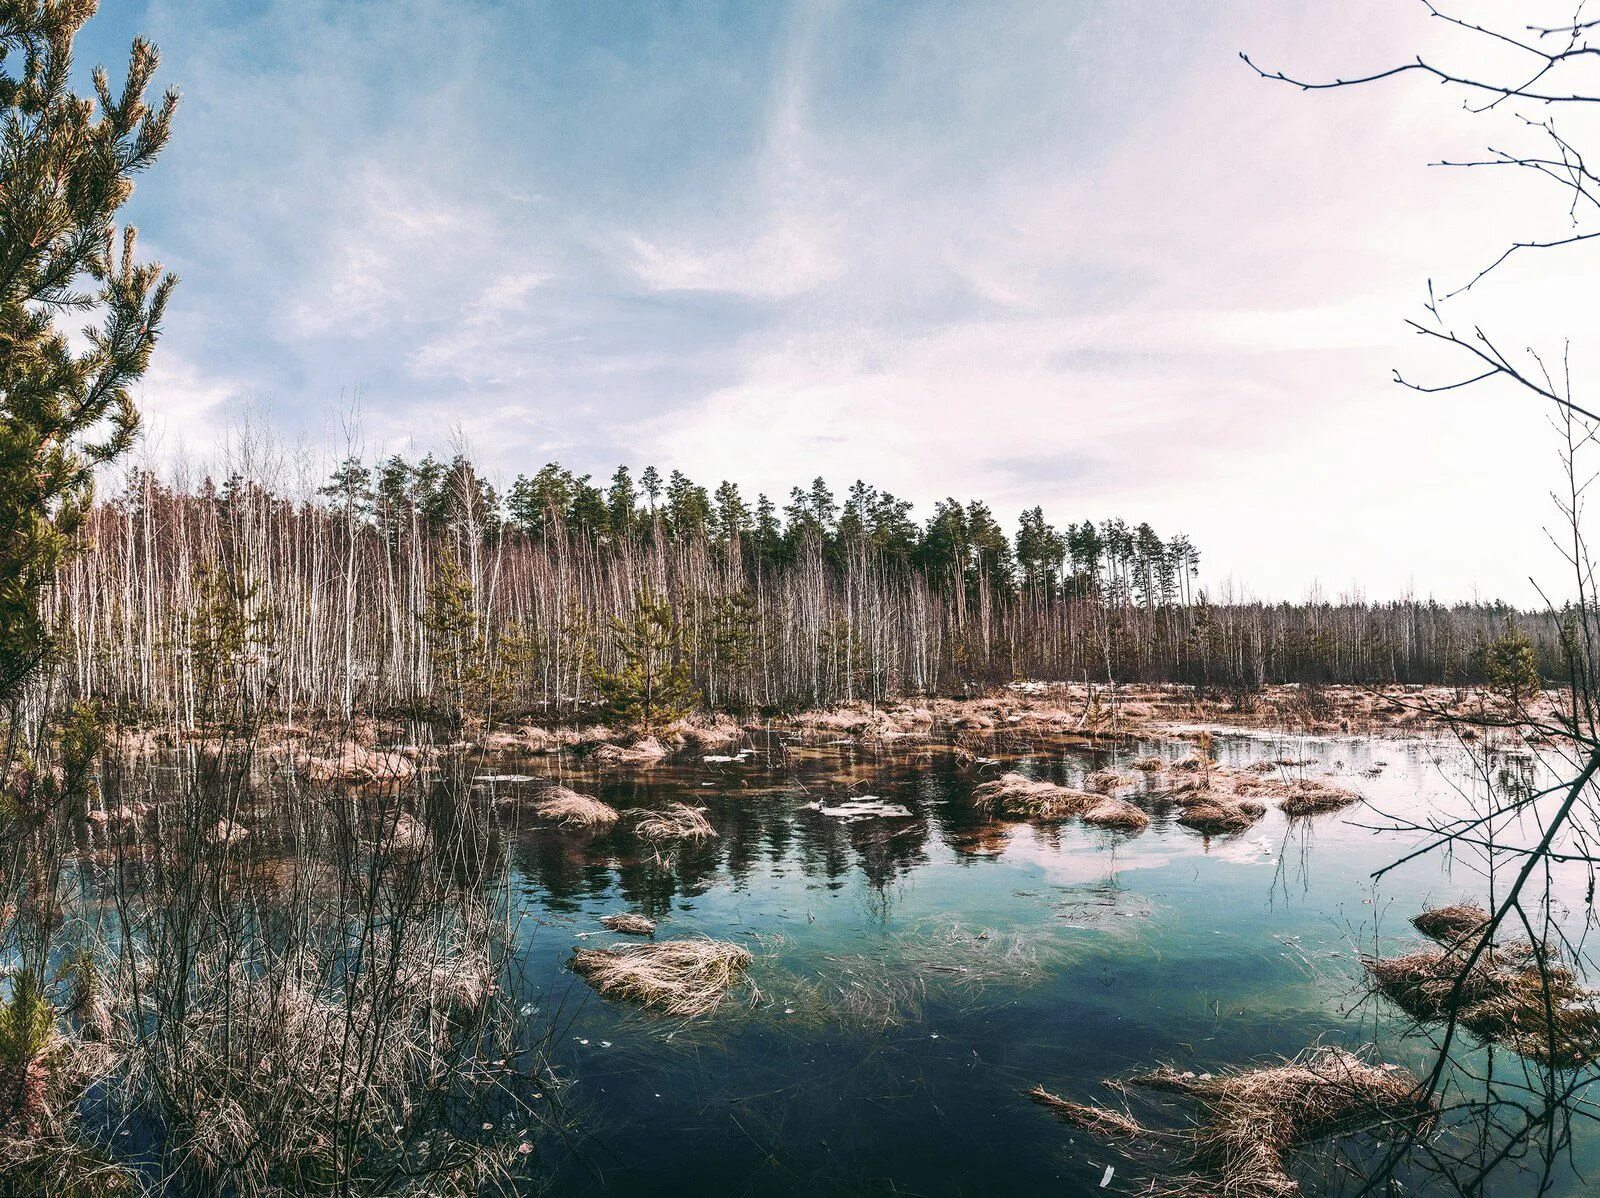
(1066, 253)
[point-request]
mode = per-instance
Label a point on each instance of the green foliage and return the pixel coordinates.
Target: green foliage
(732, 638)
(652, 686)
(66, 168)
(1510, 665)
(228, 632)
(466, 674)
(27, 1022)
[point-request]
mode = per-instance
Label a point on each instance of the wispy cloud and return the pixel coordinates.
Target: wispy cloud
(1073, 255)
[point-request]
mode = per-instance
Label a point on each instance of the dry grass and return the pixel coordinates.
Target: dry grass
(1107, 782)
(677, 822)
(1450, 924)
(1117, 813)
(1253, 1120)
(1149, 765)
(1220, 816)
(646, 750)
(1537, 1010)
(1023, 797)
(678, 977)
(570, 809)
(1109, 1125)
(629, 924)
(1200, 781)
(1307, 796)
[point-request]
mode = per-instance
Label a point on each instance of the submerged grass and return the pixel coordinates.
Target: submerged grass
(1253, 1120)
(677, 977)
(1513, 995)
(630, 924)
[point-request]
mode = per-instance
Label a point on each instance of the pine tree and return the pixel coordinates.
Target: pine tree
(66, 168)
(1511, 666)
(466, 678)
(652, 686)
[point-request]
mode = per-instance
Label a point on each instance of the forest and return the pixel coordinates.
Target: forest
(361, 595)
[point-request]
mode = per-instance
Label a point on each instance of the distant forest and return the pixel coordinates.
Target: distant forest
(396, 583)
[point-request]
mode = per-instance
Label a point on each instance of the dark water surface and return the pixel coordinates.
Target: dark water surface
(917, 975)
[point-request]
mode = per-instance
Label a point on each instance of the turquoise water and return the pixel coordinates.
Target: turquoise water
(915, 976)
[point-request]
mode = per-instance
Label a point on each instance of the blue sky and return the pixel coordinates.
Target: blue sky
(1065, 253)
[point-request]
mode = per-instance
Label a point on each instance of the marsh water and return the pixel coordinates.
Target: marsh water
(914, 976)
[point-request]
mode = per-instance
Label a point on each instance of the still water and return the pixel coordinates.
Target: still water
(915, 976)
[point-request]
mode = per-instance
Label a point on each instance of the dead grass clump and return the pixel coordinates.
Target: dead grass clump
(1308, 796)
(1023, 797)
(1253, 1120)
(677, 822)
(1508, 998)
(1106, 782)
(629, 924)
(1216, 816)
(647, 750)
(704, 735)
(1117, 813)
(679, 977)
(1449, 924)
(1107, 1124)
(1149, 765)
(569, 809)
(354, 762)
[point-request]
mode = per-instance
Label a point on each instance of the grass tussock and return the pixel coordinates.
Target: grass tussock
(1252, 1121)
(1220, 798)
(569, 809)
(1118, 814)
(1308, 796)
(1450, 924)
(647, 750)
(676, 822)
(1099, 1121)
(678, 977)
(1220, 816)
(1513, 995)
(1025, 798)
(629, 924)
(1107, 782)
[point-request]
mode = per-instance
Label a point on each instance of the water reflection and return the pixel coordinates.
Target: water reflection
(889, 1051)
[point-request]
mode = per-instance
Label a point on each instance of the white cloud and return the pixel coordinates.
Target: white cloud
(183, 406)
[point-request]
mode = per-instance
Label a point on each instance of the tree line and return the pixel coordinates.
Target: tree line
(414, 586)
(957, 541)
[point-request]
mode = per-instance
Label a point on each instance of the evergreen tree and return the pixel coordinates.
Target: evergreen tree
(587, 511)
(66, 168)
(1040, 549)
(1511, 665)
(768, 533)
(688, 508)
(652, 685)
(622, 502)
(992, 562)
(650, 481)
(733, 514)
(855, 521)
(350, 487)
(943, 551)
(894, 532)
